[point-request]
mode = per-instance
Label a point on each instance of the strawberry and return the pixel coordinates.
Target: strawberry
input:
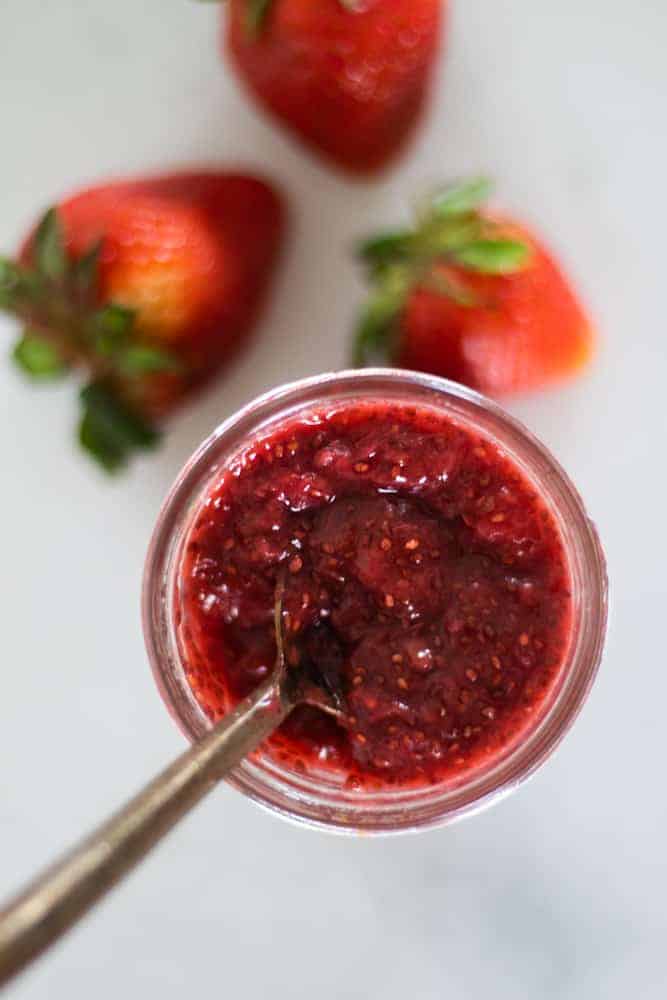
(149, 286)
(349, 77)
(473, 297)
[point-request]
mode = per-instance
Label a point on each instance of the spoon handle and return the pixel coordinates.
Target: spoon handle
(62, 894)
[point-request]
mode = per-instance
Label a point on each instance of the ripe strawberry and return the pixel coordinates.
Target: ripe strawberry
(150, 286)
(349, 77)
(473, 297)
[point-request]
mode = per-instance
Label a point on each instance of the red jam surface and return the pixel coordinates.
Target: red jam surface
(421, 564)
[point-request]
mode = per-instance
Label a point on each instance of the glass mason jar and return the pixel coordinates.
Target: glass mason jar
(323, 801)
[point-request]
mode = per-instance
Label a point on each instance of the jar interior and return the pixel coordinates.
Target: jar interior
(320, 797)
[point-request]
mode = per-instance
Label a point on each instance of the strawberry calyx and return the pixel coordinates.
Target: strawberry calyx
(450, 237)
(56, 298)
(257, 13)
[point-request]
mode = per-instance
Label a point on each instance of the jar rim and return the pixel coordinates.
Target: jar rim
(317, 803)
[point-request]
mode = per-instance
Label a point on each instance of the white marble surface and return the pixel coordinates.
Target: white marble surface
(558, 892)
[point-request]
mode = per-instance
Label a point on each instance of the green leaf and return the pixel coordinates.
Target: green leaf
(109, 430)
(386, 248)
(142, 359)
(10, 282)
(256, 13)
(377, 327)
(37, 357)
(85, 273)
(114, 320)
(439, 237)
(372, 335)
(110, 328)
(493, 256)
(49, 247)
(458, 199)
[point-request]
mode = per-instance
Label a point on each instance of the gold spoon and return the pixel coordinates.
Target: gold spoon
(61, 895)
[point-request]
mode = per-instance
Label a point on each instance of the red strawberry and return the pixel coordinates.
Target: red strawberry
(150, 285)
(473, 297)
(349, 77)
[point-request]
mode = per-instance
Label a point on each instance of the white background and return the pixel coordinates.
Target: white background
(558, 892)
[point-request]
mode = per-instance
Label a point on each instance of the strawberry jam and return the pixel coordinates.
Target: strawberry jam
(420, 566)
